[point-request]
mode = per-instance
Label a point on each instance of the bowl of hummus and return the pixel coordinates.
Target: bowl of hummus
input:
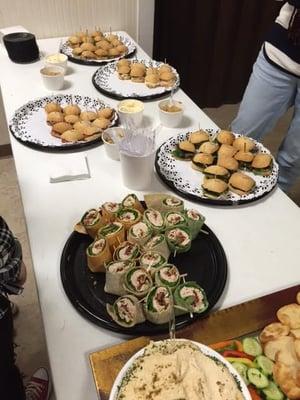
(178, 369)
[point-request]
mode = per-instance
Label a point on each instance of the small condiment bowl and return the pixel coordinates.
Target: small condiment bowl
(53, 77)
(112, 148)
(169, 118)
(131, 112)
(56, 60)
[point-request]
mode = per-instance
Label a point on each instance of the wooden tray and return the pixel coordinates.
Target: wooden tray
(230, 323)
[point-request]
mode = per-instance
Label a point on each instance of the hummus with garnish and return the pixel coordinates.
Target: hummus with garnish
(178, 370)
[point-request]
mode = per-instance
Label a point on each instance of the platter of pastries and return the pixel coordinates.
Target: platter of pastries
(140, 79)
(217, 167)
(281, 343)
(61, 122)
(170, 369)
(96, 47)
(132, 266)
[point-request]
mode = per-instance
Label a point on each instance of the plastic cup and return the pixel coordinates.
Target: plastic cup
(137, 171)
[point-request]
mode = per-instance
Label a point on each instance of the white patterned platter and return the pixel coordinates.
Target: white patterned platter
(183, 179)
(29, 125)
(106, 80)
(67, 50)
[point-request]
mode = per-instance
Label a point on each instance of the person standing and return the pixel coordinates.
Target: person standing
(273, 88)
(12, 278)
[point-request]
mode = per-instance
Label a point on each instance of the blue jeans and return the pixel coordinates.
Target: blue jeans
(269, 94)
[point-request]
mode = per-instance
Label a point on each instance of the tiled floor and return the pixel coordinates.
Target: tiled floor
(31, 348)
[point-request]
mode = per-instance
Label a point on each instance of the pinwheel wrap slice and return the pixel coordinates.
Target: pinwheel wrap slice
(137, 281)
(139, 233)
(114, 276)
(158, 244)
(158, 306)
(98, 254)
(168, 276)
(126, 311)
(190, 297)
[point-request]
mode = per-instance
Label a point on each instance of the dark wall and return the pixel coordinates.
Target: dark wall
(212, 43)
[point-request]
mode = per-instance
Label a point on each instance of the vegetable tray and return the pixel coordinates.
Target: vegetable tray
(234, 322)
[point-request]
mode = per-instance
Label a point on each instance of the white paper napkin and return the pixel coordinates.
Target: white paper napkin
(71, 167)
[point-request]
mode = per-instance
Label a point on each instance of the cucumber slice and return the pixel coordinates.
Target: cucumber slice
(264, 364)
(258, 379)
(242, 370)
(273, 392)
(252, 347)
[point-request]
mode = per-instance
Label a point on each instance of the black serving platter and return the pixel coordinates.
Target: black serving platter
(205, 263)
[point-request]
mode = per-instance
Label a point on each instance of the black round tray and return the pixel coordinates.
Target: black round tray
(205, 263)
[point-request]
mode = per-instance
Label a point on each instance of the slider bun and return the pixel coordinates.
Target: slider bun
(227, 150)
(88, 54)
(261, 160)
(88, 47)
(138, 65)
(225, 137)
(101, 53)
(208, 147)
(50, 107)
(215, 185)
(77, 51)
(137, 72)
(61, 127)
(105, 113)
(167, 76)
(124, 69)
(187, 146)
(216, 170)
(72, 110)
(102, 123)
(228, 162)
(55, 116)
(116, 42)
(122, 48)
(151, 70)
(198, 137)
(152, 80)
(113, 52)
(71, 136)
(104, 44)
(88, 115)
(243, 143)
(164, 68)
(71, 119)
(244, 156)
(201, 158)
(123, 61)
(80, 126)
(241, 183)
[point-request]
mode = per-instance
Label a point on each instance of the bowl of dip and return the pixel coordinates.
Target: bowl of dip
(175, 366)
(170, 113)
(57, 60)
(131, 112)
(111, 146)
(53, 77)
